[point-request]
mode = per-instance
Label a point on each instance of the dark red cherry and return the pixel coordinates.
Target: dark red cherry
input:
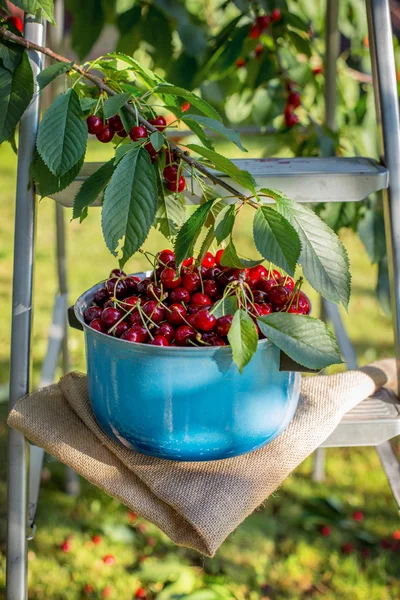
(255, 274)
(204, 320)
(264, 285)
(138, 132)
(194, 308)
(135, 318)
(171, 173)
(212, 273)
(223, 325)
(120, 329)
(159, 340)
(136, 334)
(94, 124)
(263, 21)
(278, 296)
(260, 297)
(131, 283)
(167, 331)
(108, 304)
(176, 314)
(218, 341)
(117, 273)
(188, 261)
(166, 256)
(101, 295)
(93, 312)
(208, 260)
(106, 135)
(127, 303)
(264, 309)
(276, 15)
(153, 292)
(200, 299)
(301, 303)
(170, 279)
(227, 277)
(218, 257)
(210, 288)
(97, 325)
(291, 119)
(143, 285)
(115, 123)
(117, 288)
(179, 294)
(177, 186)
(159, 122)
(183, 334)
(286, 281)
(294, 99)
(110, 316)
(190, 319)
(191, 281)
(153, 311)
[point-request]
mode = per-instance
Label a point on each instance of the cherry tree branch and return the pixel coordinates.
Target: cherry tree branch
(8, 35)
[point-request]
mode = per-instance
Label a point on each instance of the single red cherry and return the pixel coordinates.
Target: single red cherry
(159, 122)
(301, 303)
(159, 340)
(176, 315)
(347, 548)
(241, 62)
(260, 297)
(183, 334)
(291, 119)
(258, 50)
(155, 312)
(190, 319)
(258, 272)
(218, 341)
(396, 534)
(110, 316)
(166, 330)
(131, 283)
(115, 123)
(169, 156)
(171, 173)
(213, 273)
(122, 133)
(177, 186)
(97, 325)
(153, 292)
(120, 329)
(191, 281)
(141, 593)
(185, 106)
(97, 539)
(278, 296)
(138, 132)
(170, 279)
(165, 256)
(275, 274)
(66, 546)
(227, 276)
(106, 135)
(263, 21)
(92, 312)
(16, 21)
(137, 334)
(116, 287)
(286, 281)
(358, 516)
(318, 70)
(94, 124)
(218, 256)
(117, 273)
(143, 285)
(200, 299)
(208, 260)
(264, 285)
(194, 308)
(101, 295)
(135, 318)
(276, 15)
(204, 320)
(127, 303)
(210, 288)
(223, 325)
(108, 559)
(264, 309)
(151, 150)
(325, 530)
(294, 99)
(179, 294)
(254, 32)
(188, 262)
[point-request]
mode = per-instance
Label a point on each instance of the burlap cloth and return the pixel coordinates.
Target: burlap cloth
(196, 504)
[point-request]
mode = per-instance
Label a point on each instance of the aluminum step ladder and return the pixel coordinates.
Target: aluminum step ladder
(375, 420)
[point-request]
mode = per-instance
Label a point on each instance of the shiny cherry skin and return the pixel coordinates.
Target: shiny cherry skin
(210, 288)
(276, 15)
(116, 287)
(278, 296)
(263, 21)
(264, 309)
(159, 122)
(135, 318)
(94, 124)
(194, 308)
(188, 262)
(218, 256)
(191, 281)
(291, 119)
(223, 325)
(183, 334)
(143, 285)
(170, 279)
(136, 334)
(138, 132)
(106, 135)
(254, 274)
(227, 276)
(117, 273)
(255, 32)
(97, 325)
(260, 297)
(200, 299)
(287, 282)
(108, 304)
(166, 330)
(120, 329)
(101, 296)
(127, 303)
(212, 273)
(190, 319)
(177, 186)
(159, 340)
(131, 283)
(152, 153)
(115, 123)
(179, 294)
(166, 256)
(16, 21)
(204, 320)
(153, 292)
(155, 312)
(208, 260)
(300, 304)
(218, 341)
(176, 314)
(91, 313)
(264, 285)
(110, 316)
(171, 173)
(294, 99)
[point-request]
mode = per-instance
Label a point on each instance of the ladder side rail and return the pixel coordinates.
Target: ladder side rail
(24, 242)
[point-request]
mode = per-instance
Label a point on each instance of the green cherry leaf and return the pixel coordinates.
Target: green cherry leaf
(243, 338)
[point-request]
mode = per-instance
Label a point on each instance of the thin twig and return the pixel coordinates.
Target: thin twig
(8, 35)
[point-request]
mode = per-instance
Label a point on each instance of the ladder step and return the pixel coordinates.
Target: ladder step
(370, 423)
(332, 179)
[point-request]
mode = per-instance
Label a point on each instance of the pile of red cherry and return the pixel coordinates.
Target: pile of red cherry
(176, 309)
(105, 131)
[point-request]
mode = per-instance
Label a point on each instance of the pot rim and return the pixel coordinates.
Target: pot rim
(191, 349)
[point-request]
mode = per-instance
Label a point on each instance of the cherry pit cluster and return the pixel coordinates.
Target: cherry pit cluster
(173, 307)
(105, 131)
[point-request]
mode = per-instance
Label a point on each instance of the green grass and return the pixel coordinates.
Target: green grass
(279, 547)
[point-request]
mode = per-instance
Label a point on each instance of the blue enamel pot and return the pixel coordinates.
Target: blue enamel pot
(187, 404)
